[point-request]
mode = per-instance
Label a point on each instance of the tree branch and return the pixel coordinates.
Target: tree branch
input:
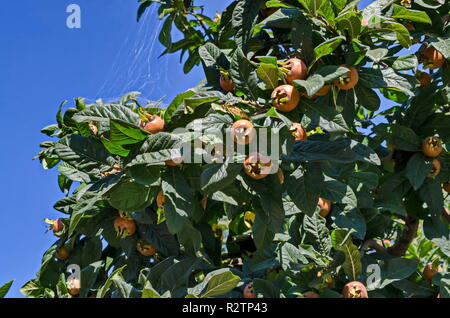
(404, 240)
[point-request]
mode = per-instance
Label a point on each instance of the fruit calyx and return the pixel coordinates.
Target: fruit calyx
(225, 81)
(257, 166)
(349, 80)
(298, 132)
(355, 289)
(285, 98)
(249, 291)
(243, 131)
(124, 227)
(57, 226)
(294, 69)
(152, 124)
(432, 146)
(145, 248)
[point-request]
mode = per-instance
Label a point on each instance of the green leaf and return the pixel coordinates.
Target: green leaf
(149, 291)
(243, 74)
(401, 32)
(106, 112)
(304, 186)
(386, 78)
(327, 47)
(316, 225)
(329, 118)
(337, 191)
(352, 265)
(352, 220)
(404, 138)
(219, 282)
(311, 85)
(404, 62)
(131, 196)
(312, 5)
(396, 269)
(179, 198)
(262, 235)
(5, 288)
(367, 98)
(401, 12)
(443, 46)
(85, 154)
(377, 54)
(332, 72)
(219, 176)
(417, 169)
(266, 288)
(343, 150)
(269, 74)
(116, 274)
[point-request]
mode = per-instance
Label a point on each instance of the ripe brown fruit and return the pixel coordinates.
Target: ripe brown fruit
(429, 271)
(298, 131)
(242, 132)
(154, 125)
(432, 58)
(297, 70)
(62, 253)
(145, 248)
(160, 200)
(257, 166)
(172, 163)
(280, 175)
(226, 83)
(432, 147)
(285, 98)
(74, 285)
(325, 207)
(311, 294)
(424, 79)
(249, 291)
(349, 80)
(355, 289)
(435, 170)
(124, 227)
(204, 202)
(410, 27)
(58, 226)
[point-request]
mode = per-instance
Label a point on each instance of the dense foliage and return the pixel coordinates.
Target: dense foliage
(214, 227)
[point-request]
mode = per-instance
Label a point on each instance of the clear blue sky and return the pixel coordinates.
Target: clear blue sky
(42, 63)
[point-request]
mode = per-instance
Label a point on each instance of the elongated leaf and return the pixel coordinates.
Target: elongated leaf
(352, 265)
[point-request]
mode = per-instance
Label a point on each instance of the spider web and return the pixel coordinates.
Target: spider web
(137, 65)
